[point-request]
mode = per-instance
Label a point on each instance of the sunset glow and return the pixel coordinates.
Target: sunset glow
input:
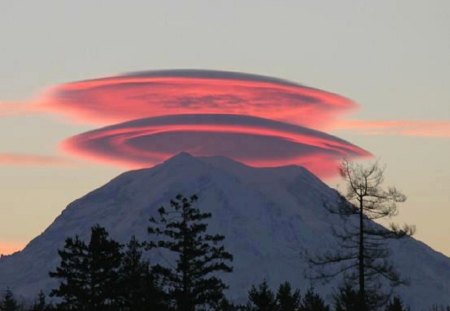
(416, 128)
(251, 140)
(8, 247)
(157, 93)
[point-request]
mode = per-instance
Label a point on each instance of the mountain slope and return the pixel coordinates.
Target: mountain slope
(268, 216)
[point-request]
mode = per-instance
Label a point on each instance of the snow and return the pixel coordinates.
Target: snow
(268, 216)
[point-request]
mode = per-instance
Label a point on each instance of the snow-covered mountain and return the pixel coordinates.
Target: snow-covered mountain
(268, 216)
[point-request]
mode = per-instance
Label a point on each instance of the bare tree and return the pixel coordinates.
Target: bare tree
(362, 255)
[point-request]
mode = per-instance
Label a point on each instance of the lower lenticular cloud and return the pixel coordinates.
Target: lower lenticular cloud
(251, 140)
(417, 128)
(156, 93)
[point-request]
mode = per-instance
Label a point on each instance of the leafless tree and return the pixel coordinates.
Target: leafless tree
(363, 253)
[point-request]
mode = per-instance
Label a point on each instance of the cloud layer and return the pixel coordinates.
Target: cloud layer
(416, 128)
(251, 140)
(13, 109)
(157, 93)
(258, 120)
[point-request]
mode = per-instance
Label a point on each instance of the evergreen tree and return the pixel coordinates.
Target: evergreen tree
(88, 273)
(286, 299)
(9, 303)
(261, 298)
(396, 304)
(73, 271)
(362, 255)
(105, 259)
(192, 281)
(347, 299)
(139, 287)
(225, 305)
(313, 302)
(41, 304)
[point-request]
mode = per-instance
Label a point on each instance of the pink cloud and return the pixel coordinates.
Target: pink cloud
(156, 93)
(417, 128)
(12, 159)
(251, 140)
(13, 109)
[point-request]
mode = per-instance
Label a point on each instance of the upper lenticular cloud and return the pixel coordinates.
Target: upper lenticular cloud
(156, 93)
(251, 140)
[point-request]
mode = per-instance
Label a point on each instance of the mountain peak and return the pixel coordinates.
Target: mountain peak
(185, 158)
(180, 157)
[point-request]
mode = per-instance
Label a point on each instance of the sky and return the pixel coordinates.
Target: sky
(390, 58)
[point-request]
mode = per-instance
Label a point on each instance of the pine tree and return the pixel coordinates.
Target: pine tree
(105, 259)
(261, 298)
(9, 303)
(193, 280)
(88, 273)
(286, 299)
(73, 272)
(139, 287)
(396, 304)
(225, 305)
(362, 255)
(347, 299)
(41, 304)
(313, 302)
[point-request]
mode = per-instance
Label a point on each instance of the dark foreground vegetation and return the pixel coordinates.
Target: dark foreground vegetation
(104, 275)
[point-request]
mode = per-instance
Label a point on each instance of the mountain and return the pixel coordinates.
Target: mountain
(268, 216)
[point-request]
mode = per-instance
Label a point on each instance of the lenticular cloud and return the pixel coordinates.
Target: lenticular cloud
(251, 140)
(258, 120)
(157, 93)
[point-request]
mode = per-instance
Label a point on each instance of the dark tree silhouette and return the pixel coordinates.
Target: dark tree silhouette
(347, 299)
(226, 305)
(88, 273)
(40, 304)
(192, 281)
(313, 302)
(287, 300)
(9, 302)
(261, 298)
(139, 288)
(396, 304)
(363, 254)
(73, 272)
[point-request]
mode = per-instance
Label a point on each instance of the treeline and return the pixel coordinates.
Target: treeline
(260, 298)
(103, 275)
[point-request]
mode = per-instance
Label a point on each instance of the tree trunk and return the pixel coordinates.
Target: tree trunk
(362, 292)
